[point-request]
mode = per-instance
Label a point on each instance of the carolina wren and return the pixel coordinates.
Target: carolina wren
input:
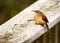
(40, 18)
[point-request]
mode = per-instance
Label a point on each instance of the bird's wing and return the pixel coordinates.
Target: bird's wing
(43, 17)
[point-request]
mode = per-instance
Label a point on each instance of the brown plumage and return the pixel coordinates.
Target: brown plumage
(40, 18)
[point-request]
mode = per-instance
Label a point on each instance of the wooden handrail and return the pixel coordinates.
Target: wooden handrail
(26, 31)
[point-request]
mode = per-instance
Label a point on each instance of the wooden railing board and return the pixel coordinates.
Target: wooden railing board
(27, 31)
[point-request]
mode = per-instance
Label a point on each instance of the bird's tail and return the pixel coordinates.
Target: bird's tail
(48, 33)
(47, 26)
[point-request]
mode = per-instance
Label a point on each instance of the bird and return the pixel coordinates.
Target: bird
(40, 18)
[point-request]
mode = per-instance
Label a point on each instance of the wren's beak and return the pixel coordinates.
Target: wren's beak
(34, 10)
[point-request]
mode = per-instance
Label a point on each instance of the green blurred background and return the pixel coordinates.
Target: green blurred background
(9, 8)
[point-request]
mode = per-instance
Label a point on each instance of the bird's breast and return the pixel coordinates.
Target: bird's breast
(38, 19)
